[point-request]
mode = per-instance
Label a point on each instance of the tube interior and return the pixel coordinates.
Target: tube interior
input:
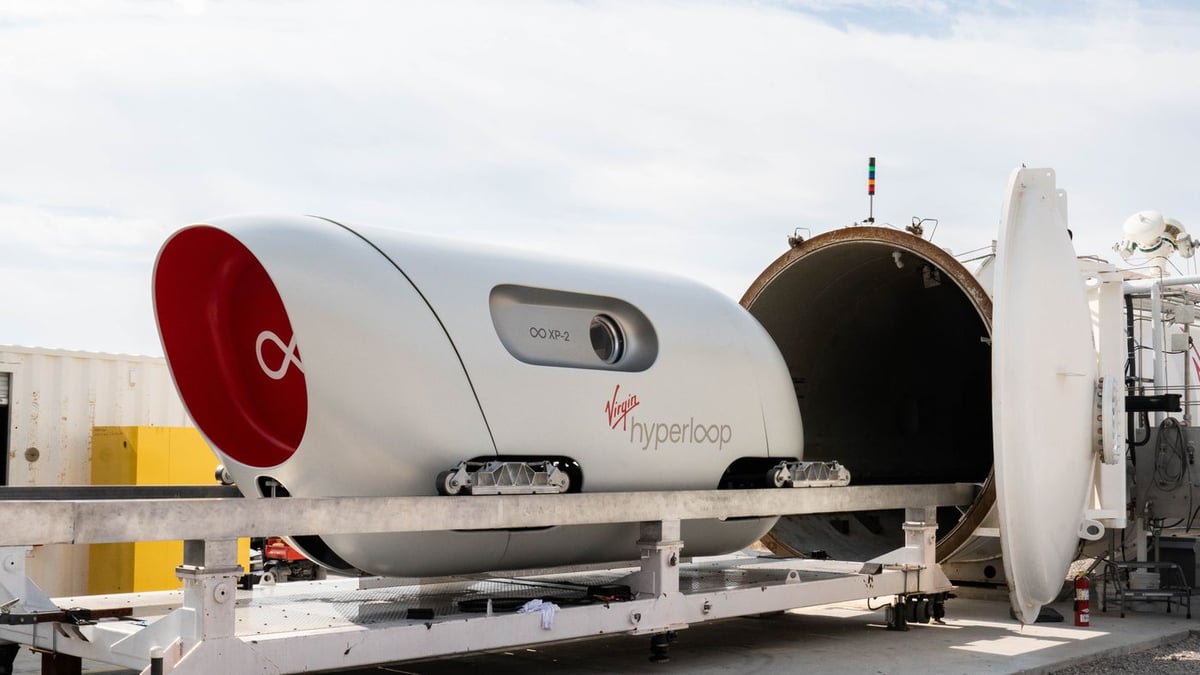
(891, 360)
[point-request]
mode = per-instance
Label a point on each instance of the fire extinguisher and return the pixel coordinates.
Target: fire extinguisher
(1082, 614)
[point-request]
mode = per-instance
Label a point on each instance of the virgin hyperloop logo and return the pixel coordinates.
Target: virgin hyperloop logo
(290, 355)
(231, 346)
(654, 434)
(618, 409)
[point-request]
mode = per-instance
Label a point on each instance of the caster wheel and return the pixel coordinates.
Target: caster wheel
(446, 485)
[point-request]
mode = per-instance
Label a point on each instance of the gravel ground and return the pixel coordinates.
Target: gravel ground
(1181, 657)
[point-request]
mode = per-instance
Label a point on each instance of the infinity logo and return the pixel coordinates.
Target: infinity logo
(289, 355)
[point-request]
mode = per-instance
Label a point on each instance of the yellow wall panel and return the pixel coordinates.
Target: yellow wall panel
(147, 456)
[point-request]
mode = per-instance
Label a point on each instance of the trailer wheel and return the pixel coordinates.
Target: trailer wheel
(922, 612)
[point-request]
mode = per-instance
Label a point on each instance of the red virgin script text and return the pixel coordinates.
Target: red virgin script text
(617, 410)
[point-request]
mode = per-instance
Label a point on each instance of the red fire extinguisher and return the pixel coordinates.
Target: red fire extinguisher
(1082, 614)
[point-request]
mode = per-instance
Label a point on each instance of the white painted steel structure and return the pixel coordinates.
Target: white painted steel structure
(1155, 288)
(203, 636)
(1044, 389)
(107, 521)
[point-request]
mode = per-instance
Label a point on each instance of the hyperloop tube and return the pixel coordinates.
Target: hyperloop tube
(320, 359)
(887, 341)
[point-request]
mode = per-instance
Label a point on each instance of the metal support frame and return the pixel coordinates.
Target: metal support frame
(1155, 286)
(1156, 336)
(201, 635)
(15, 585)
(660, 547)
(210, 574)
(113, 521)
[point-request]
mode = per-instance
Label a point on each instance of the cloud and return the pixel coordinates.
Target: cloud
(76, 280)
(692, 137)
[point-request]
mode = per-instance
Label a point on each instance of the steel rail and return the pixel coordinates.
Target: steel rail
(34, 522)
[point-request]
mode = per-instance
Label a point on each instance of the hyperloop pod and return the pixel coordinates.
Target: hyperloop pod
(320, 359)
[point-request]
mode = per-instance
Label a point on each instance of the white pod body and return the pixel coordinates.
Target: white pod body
(343, 361)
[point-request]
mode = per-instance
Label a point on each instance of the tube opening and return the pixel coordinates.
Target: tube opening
(887, 339)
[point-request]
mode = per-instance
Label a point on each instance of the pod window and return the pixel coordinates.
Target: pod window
(607, 340)
(572, 330)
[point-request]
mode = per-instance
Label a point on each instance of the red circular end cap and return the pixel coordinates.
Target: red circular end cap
(230, 346)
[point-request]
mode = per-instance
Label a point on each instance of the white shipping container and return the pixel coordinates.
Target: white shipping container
(49, 402)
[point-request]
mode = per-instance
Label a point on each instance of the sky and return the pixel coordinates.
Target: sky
(689, 137)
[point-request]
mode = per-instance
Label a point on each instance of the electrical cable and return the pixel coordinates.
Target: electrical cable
(1161, 524)
(876, 609)
(1191, 491)
(1191, 518)
(974, 251)
(1170, 455)
(1135, 443)
(534, 583)
(1195, 361)
(1131, 375)
(1165, 351)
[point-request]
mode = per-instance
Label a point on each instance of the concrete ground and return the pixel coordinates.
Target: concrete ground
(978, 637)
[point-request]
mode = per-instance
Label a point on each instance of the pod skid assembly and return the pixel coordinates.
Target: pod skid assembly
(211, 626)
